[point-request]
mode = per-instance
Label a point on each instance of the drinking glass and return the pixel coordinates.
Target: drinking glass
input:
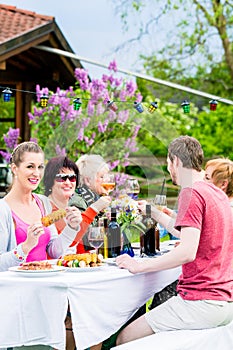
(96, 237)
(132, 188)
(160, 201)
(108, 183)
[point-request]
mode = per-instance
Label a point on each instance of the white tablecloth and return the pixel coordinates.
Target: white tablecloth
(220, 338)
(33, 308)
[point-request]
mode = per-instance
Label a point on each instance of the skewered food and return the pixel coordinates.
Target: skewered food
(53, 217)
(81, 260)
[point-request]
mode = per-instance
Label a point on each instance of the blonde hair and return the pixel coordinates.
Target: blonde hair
(223, 170)
(89, 165)
(18, 152)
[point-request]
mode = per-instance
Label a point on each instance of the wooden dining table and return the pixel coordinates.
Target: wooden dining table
(33, 306)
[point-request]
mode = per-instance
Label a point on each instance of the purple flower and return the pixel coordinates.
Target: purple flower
(80, 134)
(82, 76)
(114, 164)
(90, 108)
(113, 66)
(131, 87)
(11, 138)
(123, 117)
(60, 151)
(6, 156)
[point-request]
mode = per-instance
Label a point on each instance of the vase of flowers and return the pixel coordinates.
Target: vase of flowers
(130, 220)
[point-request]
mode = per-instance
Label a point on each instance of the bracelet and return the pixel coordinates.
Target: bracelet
(18, 256)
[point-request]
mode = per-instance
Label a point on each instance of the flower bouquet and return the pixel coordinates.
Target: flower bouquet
(130, 220)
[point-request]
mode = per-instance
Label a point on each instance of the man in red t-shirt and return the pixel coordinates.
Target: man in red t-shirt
(204, 224)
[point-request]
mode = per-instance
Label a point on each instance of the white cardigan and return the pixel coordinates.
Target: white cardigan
(57, 246)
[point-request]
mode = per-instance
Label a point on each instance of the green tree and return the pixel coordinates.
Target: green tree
(198, 43)
(214, 131)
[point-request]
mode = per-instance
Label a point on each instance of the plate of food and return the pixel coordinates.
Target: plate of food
(86, 262)
(37, 268)
(85, 269)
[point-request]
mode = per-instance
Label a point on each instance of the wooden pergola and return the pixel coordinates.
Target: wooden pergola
(22, 66)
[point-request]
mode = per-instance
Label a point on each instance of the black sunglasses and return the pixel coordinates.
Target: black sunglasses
(64, 177)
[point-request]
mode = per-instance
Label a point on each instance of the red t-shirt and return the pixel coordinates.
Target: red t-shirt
(210, 275)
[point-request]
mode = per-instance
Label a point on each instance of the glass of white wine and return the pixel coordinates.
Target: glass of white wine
(160, 201)
(108, 183)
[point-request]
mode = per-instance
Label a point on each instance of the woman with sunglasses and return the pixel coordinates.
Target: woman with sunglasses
(61, 178)
(22, 235)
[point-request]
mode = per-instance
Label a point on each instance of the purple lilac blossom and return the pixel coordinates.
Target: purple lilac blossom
(114, 164)
(85, 122)
(82, 76)
(60, 151)
(90, 108)
(123, 117)
(113, 66)
(131, 88)
(80, 134)
(99, 109)
(6, 156)
(11, 138)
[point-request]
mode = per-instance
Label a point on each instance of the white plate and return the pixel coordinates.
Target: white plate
(85, 269)
(37, 273)
(110, 261)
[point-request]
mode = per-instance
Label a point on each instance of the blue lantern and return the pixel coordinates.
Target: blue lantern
(7, 94)
(138, 106)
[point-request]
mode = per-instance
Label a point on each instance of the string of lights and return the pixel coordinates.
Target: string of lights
(110, 104)
(138, 75)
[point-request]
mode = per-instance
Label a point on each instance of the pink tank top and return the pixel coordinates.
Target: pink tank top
(38, 252)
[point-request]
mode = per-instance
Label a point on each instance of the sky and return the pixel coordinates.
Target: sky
(92, 29)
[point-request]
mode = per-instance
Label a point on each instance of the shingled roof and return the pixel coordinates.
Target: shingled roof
(23, 65)
(15, 22)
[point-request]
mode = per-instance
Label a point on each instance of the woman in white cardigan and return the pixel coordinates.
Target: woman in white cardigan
(22, 235)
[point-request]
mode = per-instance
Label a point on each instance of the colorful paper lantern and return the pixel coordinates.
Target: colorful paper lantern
(152, 107)
(111, 105)
(44, 100)
(7, 94)
(77, 104)
(213, 105)
(138, 106)
(186, 106)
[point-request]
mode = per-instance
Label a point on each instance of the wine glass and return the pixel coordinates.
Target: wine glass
(96, 237)
(132, 188)
(108, 183)
(160, 201)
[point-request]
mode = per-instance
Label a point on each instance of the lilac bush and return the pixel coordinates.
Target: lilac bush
(94, 128)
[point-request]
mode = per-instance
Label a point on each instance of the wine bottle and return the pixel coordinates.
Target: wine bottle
(113, 236)
(157, 238)
(147, 240)
(105, 238)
